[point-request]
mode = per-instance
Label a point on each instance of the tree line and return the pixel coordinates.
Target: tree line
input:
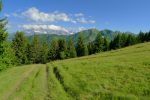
(39, 52)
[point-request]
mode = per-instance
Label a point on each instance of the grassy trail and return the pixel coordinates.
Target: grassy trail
(122, 74)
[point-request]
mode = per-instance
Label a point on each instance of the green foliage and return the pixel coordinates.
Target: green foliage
(19, 45)
(71, 52)
(62, 48)
(6, 54)
(98, 43)
(117, 42)
(44, 53)
(131, 40)
(141, 37)
(7, 59)
(35, 50)
(3, 34)
(80, 47)
(54, 50)
(105, 45)
(124, 39)
(91, 48)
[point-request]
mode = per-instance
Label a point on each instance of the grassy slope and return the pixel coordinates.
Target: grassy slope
(23, 83)
(119, 74)
(116, 75)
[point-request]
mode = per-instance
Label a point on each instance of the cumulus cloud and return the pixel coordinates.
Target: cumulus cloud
(36, 15)
(46, 29)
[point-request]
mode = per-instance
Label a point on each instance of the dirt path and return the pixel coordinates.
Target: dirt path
(22, 78)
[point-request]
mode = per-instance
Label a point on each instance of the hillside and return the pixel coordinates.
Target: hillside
(88, 35)
(122, 74)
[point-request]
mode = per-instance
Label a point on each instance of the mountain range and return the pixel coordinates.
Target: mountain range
(88, 35)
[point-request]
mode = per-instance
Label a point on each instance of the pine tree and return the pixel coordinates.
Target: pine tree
(85, 50)
(3, 34)
(124, 37)
(91, 48)
(54, 50)
(98, 43)
(35, 50)
(6, 54)
(106, 45)
(131, 40)
(141, 37)
(71, 52)
(19, 45)
(117, 41)
(62, 48)
(44, 53)
(80, 46)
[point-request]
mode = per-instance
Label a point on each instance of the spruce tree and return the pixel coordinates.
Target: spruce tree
(98, 43)
(80, 46)
(105, 45)
(44, 53)
(71, 52)
(19, 45)
(35, 50)
(131, 40)
(117, 41)
(62, 48)
(124, 37)
(91, 48)
(54, 50)
(6, 54)
(85, 50)
(141, 37)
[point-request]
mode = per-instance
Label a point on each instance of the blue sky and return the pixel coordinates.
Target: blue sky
(75, 15)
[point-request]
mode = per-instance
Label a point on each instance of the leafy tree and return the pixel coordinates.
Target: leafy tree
(54, 50)
(71, 51)
(98, 43)
(35, 50)
(19, 45)
(80, 48)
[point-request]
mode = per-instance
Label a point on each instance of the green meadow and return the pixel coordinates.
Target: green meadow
(122, 74)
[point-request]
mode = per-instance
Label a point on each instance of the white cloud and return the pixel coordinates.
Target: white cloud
(79, 15)
(47, 29)
(85, 21)
(35, 15)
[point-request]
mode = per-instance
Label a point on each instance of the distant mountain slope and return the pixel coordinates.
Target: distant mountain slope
(88, 35)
